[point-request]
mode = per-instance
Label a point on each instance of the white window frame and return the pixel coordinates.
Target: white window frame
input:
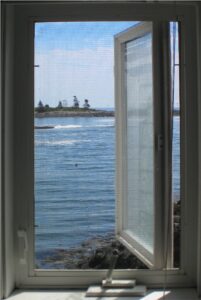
(23, 138)
(161, 154)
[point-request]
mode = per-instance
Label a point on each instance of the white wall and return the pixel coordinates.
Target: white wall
(7, 152)
(7, 160)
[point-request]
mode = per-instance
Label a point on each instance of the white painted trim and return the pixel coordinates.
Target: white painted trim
(125, 237)
(189, 145)
(7, 152)
(161, 91)
(154, 294)
(23, 134)
(77, 279)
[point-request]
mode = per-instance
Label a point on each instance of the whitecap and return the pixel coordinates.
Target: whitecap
(106, 125)
(67, 126)
(60, 142)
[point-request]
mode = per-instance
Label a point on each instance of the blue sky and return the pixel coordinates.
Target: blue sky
(76, 58)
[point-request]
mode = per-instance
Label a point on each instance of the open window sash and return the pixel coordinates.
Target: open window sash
(139, 64)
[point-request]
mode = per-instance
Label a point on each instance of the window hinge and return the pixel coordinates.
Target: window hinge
(23, 246)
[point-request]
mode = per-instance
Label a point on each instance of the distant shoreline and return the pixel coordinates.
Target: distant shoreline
(80, 113)
(74, 113)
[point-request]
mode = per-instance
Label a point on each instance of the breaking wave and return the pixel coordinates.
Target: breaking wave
(82, 126)
(60, 142)
(67, 126)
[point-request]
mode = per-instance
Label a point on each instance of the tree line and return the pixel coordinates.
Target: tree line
(62, 105)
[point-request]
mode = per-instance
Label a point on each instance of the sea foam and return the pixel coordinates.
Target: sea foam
(67, 126)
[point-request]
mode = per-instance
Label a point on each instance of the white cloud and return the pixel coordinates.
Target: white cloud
(86, 73)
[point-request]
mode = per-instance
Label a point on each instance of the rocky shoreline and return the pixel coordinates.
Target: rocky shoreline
(94, 253)
(74, 113)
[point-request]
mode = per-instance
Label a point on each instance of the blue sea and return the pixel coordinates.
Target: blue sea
(74, 180)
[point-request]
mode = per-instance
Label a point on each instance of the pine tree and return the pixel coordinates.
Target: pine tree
(75, 102)
(86, 104)
(60, 105)
(40, 107)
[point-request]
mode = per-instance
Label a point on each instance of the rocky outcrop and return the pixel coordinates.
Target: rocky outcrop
(177, 234)
(95, 253)
(74, 113)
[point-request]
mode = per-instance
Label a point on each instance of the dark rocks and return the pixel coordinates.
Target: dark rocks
(95, 253)
(177, 233)
(44, 127)
(101, 258)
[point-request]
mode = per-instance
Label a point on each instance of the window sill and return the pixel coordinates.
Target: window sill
(172, 294)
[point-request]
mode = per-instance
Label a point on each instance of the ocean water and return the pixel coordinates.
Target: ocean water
(74, 180)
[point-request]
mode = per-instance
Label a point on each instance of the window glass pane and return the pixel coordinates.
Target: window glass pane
(74, 149)
(139, 212)
(176, 155)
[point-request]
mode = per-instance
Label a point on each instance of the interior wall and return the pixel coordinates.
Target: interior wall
(7, 150)
(199, 120)
(1, 160)
(7, 158)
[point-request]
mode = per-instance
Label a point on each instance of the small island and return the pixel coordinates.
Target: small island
(62, 110)
(68, 112)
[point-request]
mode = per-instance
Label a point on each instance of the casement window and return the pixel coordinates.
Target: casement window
(143, 112)
(137, 63)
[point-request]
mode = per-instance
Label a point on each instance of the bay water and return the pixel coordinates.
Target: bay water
(74, 180)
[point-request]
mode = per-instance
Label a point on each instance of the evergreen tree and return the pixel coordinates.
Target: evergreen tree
(60, 105)
(75, 102)
(40, 107)
(86, 104)
(40, 104)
